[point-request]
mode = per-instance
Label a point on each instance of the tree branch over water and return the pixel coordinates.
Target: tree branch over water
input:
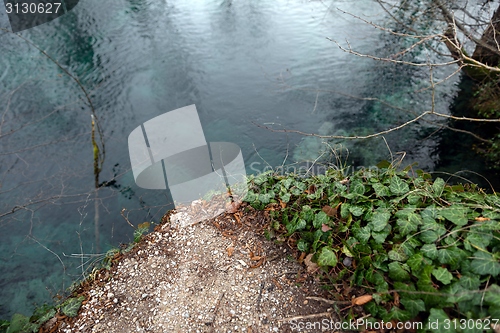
(433, 41)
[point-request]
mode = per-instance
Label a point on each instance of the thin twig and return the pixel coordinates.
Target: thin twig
(328, 301)
(315, 315)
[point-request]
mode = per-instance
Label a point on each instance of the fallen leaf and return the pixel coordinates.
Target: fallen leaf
(332, 212)
(259, 263)
(482, 219)
(276, 283)
(396, 299)
(325, 228)
(362, 300)
(230, 251)
(344, 181)
(301, 258)
(143, 225)
(232, 207)
(311, 189)
(311, 266)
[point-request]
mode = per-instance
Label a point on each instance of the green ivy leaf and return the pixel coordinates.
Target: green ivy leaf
(320, 219)
(481, 240)
(442, 275)
(429, 214)
(47, 316)
(381, 190)
(457, 293)
(302, 245)
(356, 210)
(397, 272)
(397, 254)
(430, 251)
(428, 236)
(470, 282)
(408, 225)
(413, 306)
(410, 245)
(415, 261)
(398, 186)
(455, 214)
(71, 306)
(380, 237)
(374, 276)
(17, 323)
(344, 210)
(483, 263)
(413, 199)
(492, 295)
(327, 257)
(357, 187)
(451, 256)
(302, 224)
(307, 213)
(287, 182)
(285, 197)
(436, 322)
(438, 187)
(379, 220)
(397, 314)
(362, 234)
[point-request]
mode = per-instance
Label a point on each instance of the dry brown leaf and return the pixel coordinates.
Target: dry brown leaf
(311, 189)
(301, 258)
(230, 251)
(325, 228)
(311, 266)
(396, 299)
(362, 300)
(332, 212)
(276, 283)
(283, 204)
(482, 219)
(232, 207)
(344, 181)
(259, 263)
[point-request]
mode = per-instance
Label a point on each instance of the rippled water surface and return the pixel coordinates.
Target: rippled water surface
(242, 63)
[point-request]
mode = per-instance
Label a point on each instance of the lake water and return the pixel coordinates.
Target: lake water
(244, 64)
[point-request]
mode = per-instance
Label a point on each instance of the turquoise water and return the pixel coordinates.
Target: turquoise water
(241, 63)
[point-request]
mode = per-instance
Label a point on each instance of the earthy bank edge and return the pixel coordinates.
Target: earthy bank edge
(420, 250)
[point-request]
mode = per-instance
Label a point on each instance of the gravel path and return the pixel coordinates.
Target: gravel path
(217, 276)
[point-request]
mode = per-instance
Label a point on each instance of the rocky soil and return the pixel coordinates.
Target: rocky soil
(220, 275)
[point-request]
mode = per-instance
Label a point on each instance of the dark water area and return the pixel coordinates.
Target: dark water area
(458, 163)
(243, 64)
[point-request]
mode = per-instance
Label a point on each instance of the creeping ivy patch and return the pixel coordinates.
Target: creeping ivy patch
(421, 248)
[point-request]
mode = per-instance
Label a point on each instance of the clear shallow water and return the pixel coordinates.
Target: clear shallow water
(240, 63)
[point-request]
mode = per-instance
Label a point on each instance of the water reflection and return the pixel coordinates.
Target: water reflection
(239, 62)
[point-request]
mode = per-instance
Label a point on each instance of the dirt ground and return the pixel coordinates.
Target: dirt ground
(220, 275)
